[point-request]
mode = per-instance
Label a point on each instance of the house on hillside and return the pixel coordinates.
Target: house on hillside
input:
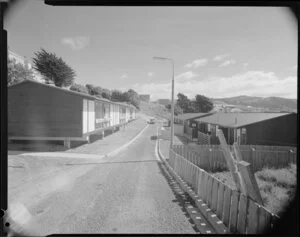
(278, 129)
(184, 124)
(25, 62)
(145, 98)
(163, 101)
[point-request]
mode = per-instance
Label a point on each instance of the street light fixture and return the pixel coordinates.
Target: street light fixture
(172, 103)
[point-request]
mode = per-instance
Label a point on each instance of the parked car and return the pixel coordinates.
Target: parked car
(152, 121)
(166, 123)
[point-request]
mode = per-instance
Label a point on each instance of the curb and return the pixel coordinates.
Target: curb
(211, 217)
(127, 144)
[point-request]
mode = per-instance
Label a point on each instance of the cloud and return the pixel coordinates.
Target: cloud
(220, 57)
(124, 76)
(251, 83)
(245, 65)
(76, 43)
(185, 76)
(150, 74)
(196, 63)
(227, 63)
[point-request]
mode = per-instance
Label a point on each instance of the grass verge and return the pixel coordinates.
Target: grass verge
(277, 186)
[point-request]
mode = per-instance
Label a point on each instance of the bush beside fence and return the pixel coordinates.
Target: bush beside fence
(238, 212)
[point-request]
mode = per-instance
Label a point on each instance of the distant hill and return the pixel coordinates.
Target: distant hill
(268, 103)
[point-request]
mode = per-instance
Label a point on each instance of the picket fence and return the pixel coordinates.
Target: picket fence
(211, 158)
(239, 213)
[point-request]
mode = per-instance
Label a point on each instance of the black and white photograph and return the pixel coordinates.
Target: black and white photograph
(149, 119)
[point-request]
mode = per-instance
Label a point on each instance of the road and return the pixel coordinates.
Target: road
(126, 193)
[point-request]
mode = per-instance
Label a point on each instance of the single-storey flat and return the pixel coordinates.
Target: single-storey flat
(38, 111)
(183, 121)
(252, 128)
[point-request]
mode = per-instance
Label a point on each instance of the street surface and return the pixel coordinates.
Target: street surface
(125, 193)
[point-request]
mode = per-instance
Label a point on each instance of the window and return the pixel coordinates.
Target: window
(244, 136)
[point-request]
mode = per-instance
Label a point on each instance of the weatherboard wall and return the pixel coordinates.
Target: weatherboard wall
(36, 110)
(279, 131)
(39, 111)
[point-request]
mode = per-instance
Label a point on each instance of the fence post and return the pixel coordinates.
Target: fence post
(210, 159)
(229, 159)
(291, 156)
(252, 160)
(249, 181)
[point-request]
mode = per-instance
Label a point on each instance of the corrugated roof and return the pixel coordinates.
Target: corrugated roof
(67, 91)
(235, 120)
(187, 116)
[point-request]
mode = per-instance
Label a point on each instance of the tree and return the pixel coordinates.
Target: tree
(133, 98)
(90, 89)
(106, 94)
(117, 96)
(203, 104)
(17, 72)
(183, 102)
(53, 68)
(94, 90)
(129, 96)
(79, 88)
(98, 91)
(177, 109)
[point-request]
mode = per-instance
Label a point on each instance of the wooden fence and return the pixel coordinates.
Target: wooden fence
(211, 158)
(239, 213)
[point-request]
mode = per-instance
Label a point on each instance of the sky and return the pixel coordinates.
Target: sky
(217, 51)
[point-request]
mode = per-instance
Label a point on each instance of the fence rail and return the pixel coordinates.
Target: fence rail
(211, 158)
(238, 212)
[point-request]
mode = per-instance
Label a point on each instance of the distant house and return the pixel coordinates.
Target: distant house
(164, 101)
(278, 129)
(183, 122)
(19, 59)
(145, 98)
(25, 62)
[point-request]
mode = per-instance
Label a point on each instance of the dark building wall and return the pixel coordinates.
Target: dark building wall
(277, 131)
(38, 111)
(228, 134)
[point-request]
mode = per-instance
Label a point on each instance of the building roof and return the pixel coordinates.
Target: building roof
(68, 91)
(235, 120)
(188, 116)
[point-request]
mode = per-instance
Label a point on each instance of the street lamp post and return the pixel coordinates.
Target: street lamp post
(172, 103)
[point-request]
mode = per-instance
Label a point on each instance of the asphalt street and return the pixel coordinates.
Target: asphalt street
(125, 193)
